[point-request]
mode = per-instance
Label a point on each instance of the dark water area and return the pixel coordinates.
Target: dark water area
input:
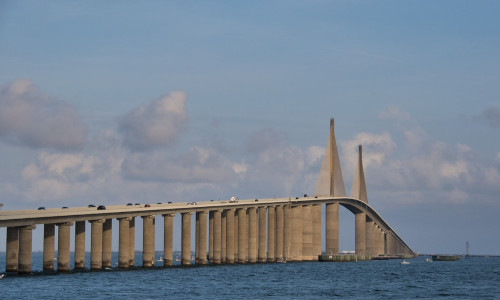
(476, 277)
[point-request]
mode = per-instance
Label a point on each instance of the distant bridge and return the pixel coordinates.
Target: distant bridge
(239, 231)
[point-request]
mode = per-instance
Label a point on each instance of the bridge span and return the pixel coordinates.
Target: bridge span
(239, 231)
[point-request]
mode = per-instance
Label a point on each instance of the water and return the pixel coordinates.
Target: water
(464, 279)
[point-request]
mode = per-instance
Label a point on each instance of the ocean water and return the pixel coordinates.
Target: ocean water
(477, 278)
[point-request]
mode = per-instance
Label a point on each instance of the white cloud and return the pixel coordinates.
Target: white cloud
(199, 165)
(30, 118)
(156, 124)
(376, 149)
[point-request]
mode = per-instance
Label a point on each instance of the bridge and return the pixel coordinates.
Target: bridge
(239, 231)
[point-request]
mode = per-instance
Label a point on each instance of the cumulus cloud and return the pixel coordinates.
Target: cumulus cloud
(156, 124)
(58, 175)
(492, 116)
(277, 166)
(377, 147)
(425, 170)
(198, 165)
(31, 118)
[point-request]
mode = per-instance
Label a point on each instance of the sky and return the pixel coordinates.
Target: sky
(110, 102)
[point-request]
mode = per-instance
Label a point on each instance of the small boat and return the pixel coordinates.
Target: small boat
(160, 259)
(428, 260)
(2, 276)
(404, 262)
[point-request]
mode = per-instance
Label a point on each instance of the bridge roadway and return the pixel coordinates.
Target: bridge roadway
(28, 217)
(71, 214)
(290, 232)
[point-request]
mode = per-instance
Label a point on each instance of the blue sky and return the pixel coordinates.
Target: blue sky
(122, 101)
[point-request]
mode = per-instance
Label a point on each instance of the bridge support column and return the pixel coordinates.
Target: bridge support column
(186, 239)
(96, 244)
(280, 235)
(12, 249)
(123, 243)
(360, 233)
(236, 236)
(370, 238)
(217, 237)
(242, 236)
(131, 241)
(271, 234)
(168, 232)
(296, 233)
(63, 242)
(25, 246)
(79, 245)
(262, 256)
(211, 237)
(148, 235)
(332, 228)
(287, 230)
(201, 243)
(390, 243)
(230, 236)
(307, 233)
(380, 241)
(316, 230)
(106, 243)
(48, 247)
(223, 237)
(197, 237)
(252, 234)
(384, 242)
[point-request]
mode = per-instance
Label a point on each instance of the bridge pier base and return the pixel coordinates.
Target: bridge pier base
(316, 228)
(12, 249)
(106, 243)
(79, 245)
(131, 242)
(186, 239)
(280, 233)
(242, 236)
(168, 230)
(148, 244)
(63, 243)
(217, 237)
(262, 256)
(223, 237)
(96, 244)
(296, 233)
(360, 233)
(271, 234)
(307, 233)
(230, 241)
(123, 243)
(48, 247)
(201, 243)
(287, 233)
(252, 232)
(332, 228)
(236, 236)
(25, 246)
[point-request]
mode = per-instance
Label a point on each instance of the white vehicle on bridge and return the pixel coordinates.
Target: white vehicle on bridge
(233, 199)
